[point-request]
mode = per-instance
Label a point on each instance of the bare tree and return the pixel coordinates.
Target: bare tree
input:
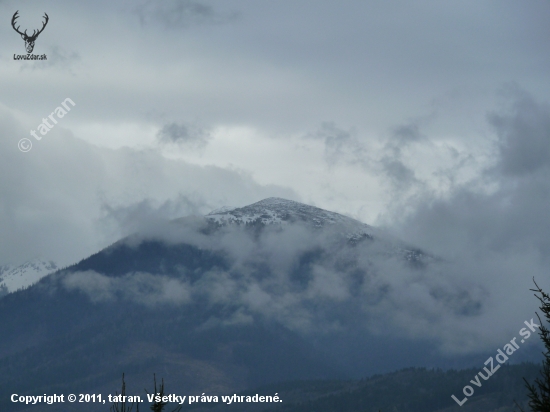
(157, 406)
(122, 406)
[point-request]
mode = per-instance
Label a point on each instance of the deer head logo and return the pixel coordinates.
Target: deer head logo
(29, 40)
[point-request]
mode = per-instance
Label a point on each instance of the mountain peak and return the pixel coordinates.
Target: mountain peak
(276, 201)
(276, 210)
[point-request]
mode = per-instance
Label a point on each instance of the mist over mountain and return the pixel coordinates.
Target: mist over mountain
(274, 291)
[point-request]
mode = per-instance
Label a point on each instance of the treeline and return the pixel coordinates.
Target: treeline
(407, 390)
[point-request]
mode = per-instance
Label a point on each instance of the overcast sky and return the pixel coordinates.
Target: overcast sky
(427, 117)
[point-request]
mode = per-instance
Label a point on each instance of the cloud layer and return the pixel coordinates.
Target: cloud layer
(313, 282)
(66, 199)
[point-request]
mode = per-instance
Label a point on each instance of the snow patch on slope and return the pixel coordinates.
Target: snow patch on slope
(14, 278)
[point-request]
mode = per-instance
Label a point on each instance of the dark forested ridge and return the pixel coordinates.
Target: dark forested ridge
(407, 390)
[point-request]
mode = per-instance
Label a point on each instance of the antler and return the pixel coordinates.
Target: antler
(15, 16)
(34, 36)
(34, 33)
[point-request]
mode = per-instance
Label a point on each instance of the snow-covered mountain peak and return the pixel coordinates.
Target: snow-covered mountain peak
(275, 210)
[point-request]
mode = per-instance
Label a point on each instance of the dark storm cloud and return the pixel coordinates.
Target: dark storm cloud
(400, 176)
(184, 134)
(340, 145)
(407, 133)
(346, 147)
(391, 166)
(180, 13)
(524, 136)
